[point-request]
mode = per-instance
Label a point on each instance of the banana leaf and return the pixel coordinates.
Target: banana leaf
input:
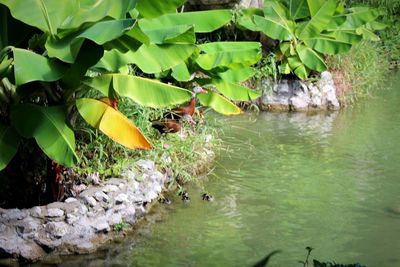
(359, 16)
(46, 15)
(246, 19)
(235, 91)
(48, 126)
(29, 66)
(156, 8)
(67, 48)
(314, 6)
(228, 54)
(157, 58)
(275, 23)
(218, 103)
(327, 45)
(319, 19)
(202, 21)
(311, 58)
(95, 10)
(181, 73)
(180, 34)
(297, 67)
(146, 92)
(112, 123)
(298, 9)
(9, 142)
(236, 75)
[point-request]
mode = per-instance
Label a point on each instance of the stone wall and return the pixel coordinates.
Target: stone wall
(81, 224)
(296, 95)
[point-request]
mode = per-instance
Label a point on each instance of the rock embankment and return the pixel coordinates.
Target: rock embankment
(296, 95)
(81, 224)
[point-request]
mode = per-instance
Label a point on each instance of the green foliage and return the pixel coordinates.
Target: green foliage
(310, 30)
(359, 71)
(119, 227)
(74, 38)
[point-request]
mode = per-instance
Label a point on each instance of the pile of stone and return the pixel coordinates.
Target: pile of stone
(296, 95)
(81, 224)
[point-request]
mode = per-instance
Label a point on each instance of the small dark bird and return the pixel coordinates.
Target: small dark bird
(171, 121)
(167, 126)
(189, 109)
(185, 196)
(165, 200)
(207, 197)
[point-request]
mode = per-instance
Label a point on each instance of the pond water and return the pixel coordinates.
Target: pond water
(286, 181)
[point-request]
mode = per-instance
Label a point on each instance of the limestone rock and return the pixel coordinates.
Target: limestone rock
(90, 201)
(70, 200)
(72, 218)
(146, 165)
(27, 228)
(57, 229)
(14, 214)
(55, 212)
(110, 188)
(101, 196)
(36, 212)
(121, 198)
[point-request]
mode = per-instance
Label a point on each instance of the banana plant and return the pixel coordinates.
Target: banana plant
(168, 50)
(43, 76)
(44, 72)
(310, 29)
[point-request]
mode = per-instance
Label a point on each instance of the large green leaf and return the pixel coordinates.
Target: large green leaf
(275, 23)
(368, 34)
(29, 66)
(297, 67)
(218, 103)
(181, 73)
(48, 126)
(111, 122)
(346, 36)
(9, 142)
(113, 60)
(67, 48)
(319, 20)
(228, 54)
(237, 74)
(180, 34)
(47, 15)
(144, 91)
(155, 8)
(95, 10)
(246, 19)
(203, 21)
(158, 58)
(311, 58)
(149, 58)
(359, 16)
(314, 6)
(298, 9)
(235, 91)
(327, 45)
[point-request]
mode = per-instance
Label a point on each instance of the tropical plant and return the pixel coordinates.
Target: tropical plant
(63, 49)
(309, 30)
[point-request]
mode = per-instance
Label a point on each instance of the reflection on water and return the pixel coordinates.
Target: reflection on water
(285, 181)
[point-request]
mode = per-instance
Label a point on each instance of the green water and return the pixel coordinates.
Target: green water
(286, 181)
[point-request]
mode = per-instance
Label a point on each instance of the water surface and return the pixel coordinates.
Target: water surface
(285, 181)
